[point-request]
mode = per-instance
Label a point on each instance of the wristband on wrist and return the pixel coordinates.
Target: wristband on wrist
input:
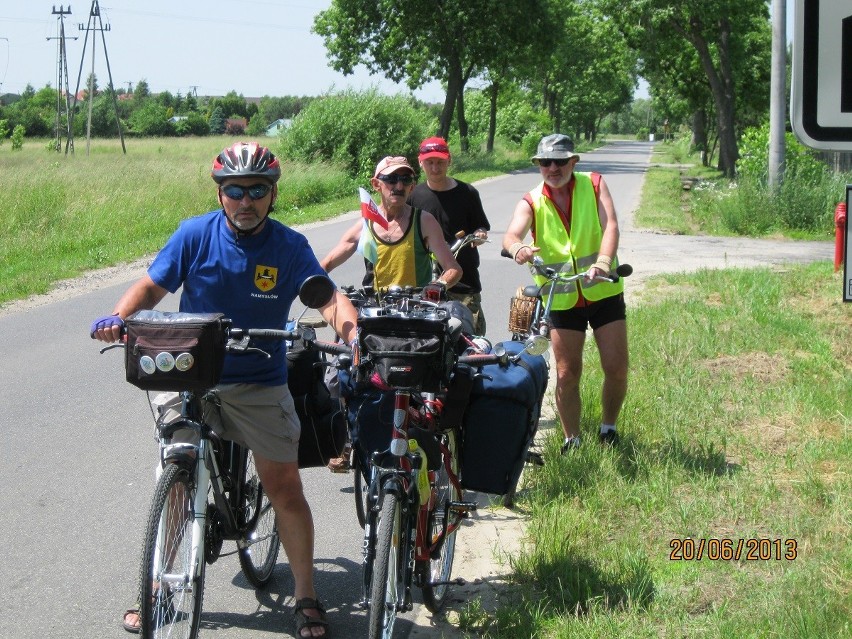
(515, 248)
(604, 263)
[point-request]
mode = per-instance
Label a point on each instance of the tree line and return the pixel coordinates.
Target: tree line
(568, 65)
(43, 112)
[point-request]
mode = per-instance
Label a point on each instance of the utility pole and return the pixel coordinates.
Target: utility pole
(95, 23)
(7, 66)
(63, 91)
(777, 94)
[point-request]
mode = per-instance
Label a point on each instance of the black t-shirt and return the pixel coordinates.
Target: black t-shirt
(458, 209)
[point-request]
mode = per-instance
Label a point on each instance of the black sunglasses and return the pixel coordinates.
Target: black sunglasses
(547, 163)
(393, 178)
(255, 191)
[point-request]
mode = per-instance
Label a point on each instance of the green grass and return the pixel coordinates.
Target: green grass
(86, 211)
(737, 426)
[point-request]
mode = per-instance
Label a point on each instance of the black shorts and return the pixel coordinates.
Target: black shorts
(595, 314)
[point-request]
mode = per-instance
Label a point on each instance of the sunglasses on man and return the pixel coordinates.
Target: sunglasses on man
(395, 178)
(547, 163)
(255, 191)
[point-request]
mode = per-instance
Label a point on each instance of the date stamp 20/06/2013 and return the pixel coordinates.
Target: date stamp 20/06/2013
(727, 549)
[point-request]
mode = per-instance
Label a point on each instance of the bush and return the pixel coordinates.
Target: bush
(18, 138)
(355, 130)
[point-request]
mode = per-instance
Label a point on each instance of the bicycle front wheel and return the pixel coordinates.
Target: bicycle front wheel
(435, 573)
(259, 546)
(361, 486)
(172, 584)
(387, 569)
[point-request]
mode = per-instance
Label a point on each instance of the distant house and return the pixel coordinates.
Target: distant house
(177, 118)
(235, 126)
(275, 128)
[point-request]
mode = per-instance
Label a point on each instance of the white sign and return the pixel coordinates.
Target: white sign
(821, 100)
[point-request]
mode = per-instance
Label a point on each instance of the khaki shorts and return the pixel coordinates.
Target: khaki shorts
(261, 418)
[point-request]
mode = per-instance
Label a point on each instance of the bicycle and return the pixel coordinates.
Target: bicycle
(208, 491)
(529, 314)
(414, 499)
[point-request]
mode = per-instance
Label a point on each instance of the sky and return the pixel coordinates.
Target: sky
(253, 47)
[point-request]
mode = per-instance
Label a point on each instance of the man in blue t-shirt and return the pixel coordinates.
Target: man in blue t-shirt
(238, 261)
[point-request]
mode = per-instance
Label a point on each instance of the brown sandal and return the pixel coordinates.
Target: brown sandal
(304, 621)
(129, 627)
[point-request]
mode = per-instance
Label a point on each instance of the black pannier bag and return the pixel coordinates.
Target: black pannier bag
(407, 353)
(500, 422)
(168, 351)
(323, 423)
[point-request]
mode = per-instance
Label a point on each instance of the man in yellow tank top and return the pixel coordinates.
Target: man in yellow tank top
(574, 227)
(399, 254)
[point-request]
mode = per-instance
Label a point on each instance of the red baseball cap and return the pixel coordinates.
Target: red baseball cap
(434, 148)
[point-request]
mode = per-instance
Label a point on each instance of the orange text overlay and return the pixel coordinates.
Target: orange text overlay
(724, 549)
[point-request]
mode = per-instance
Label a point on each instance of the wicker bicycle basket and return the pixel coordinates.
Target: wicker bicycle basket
(521, 309)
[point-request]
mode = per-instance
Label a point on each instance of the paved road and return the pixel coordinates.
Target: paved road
(78, 450)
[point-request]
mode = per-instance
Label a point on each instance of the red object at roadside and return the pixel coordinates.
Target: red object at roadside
(839, 234)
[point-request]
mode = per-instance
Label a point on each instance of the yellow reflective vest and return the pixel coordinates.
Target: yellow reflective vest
(575, 251)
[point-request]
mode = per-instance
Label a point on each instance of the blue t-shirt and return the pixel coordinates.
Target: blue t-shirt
(252, 280)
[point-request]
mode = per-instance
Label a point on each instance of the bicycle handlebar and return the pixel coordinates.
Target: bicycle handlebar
(536, 264)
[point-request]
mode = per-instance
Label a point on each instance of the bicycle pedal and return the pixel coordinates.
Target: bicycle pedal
(463, 507)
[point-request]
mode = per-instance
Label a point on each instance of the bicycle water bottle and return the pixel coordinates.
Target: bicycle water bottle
(421, 475)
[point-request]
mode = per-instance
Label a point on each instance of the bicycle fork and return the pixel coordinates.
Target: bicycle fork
(201, 473)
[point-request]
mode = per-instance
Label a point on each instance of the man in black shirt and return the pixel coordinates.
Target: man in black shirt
(457, 207)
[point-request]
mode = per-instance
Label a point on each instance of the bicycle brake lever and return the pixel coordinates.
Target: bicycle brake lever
(112, 346)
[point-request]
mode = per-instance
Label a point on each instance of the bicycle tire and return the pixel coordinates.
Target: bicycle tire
(385, 586)
(174, 609)
(361, 488)
(434, 573)
(259, 546)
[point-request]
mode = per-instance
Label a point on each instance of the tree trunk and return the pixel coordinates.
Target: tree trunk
(722, 89)
(492, 118)
(699, 134)
(462, 122)
(455, 83)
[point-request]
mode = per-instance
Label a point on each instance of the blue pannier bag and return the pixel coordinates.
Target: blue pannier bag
(500, 422)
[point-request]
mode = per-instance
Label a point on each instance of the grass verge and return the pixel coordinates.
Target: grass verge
(736, 427)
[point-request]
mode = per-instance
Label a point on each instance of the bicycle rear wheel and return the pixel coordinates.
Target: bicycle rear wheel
(435, 573)
(259, 546)
(172, 587)
(385, 587)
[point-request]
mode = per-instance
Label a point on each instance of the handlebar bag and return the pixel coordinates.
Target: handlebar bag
(174, 351)
(407, 353)
(500, 422)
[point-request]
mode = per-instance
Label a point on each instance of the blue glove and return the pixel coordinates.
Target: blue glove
(105, 322)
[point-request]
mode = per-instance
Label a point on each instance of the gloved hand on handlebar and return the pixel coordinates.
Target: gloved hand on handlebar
(435, 291)
(106, 322)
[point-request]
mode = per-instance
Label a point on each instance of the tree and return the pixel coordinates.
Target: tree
(718, 32)
(217, 121)
(141, 91)
(416, 42)
(232, 105)
(151, 119)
